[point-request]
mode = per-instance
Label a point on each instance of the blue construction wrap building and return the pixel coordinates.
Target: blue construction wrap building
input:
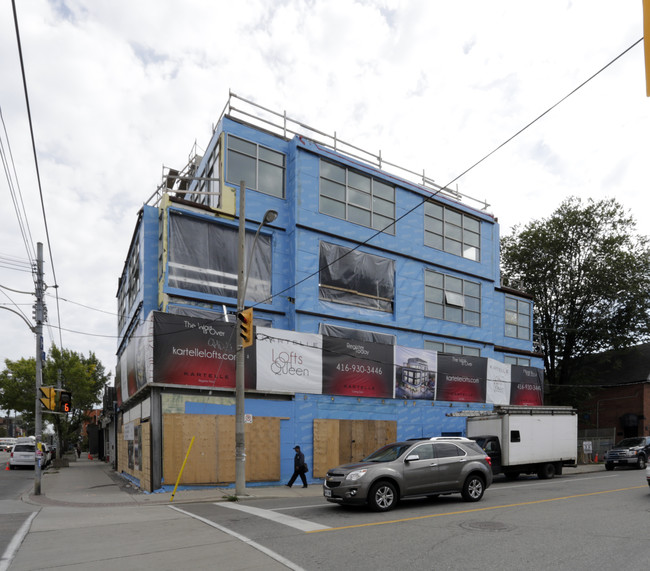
(377, 303)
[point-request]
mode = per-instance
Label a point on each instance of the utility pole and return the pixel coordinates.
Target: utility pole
(240, 437)
(39, 312)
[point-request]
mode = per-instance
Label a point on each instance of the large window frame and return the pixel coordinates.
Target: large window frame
(451, 298)
(518, 315)
(261, 168)
(356, 197)
(203, 258)
(452, 231)
(352, 277)
(128, 293)
(452, 348)
(521, 361)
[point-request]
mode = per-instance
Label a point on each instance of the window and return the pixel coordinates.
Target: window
(260, 168)
(356, 197)
(517, 318)
(452, 231)
(424, 451)
(452, 348)
(447, 450)
(522, 361)
(209, 191)
(355, 278)
(452, 299)
(203, 258)
(129, 285)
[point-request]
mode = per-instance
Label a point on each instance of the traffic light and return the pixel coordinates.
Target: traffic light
(49, 397)
(65, 401)
(246, 326)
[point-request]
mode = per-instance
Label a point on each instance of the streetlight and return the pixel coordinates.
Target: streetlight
(242, 283)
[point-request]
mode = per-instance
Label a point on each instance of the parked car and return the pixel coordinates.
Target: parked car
(647, 474)
(423, 467)
(6, 444)
(22, 454)
(629, 452)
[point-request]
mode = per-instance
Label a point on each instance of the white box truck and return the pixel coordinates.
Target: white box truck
(527, 439)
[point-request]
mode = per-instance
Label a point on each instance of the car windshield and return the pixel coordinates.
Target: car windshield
(24, 448)
(388, 453)
(627, 442)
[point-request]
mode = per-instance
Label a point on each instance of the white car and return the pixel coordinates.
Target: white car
(22, 454)
(647, 474)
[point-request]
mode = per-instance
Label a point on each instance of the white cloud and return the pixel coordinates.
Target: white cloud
(118, 89)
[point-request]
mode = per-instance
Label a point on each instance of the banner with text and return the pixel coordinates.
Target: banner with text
(198, 352)
(526, 386)
(357, 368)
(461, 378)
(289, 362)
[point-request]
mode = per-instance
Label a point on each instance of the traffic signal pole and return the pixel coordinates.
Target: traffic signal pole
(38, 330)
(240, 438)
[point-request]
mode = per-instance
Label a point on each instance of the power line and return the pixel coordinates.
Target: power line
(455, 179)
(38, 174)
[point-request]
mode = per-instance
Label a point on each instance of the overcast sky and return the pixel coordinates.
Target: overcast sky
(119, 88)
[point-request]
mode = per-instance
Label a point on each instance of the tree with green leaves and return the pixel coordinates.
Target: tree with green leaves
(84, 377)
(589, 274)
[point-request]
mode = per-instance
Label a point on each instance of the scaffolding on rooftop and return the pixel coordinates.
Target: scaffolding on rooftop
(281, 124)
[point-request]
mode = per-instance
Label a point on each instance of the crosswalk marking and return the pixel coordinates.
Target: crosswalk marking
(296, 523)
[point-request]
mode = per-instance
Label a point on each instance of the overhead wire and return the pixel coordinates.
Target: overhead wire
(456, 178)
(15, 191)
(38, 174)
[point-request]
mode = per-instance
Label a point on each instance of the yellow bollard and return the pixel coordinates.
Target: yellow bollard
(182, 468)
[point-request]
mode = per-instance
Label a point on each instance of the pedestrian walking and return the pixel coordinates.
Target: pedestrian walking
(78, 449)
(299, 468)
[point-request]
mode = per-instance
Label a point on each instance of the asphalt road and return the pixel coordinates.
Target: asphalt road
(588, 521)
(13, 512)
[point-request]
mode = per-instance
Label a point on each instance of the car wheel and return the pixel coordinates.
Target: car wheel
(473, 488)
(641, 463)
(383, 497)
(546, 471)
(609, 466)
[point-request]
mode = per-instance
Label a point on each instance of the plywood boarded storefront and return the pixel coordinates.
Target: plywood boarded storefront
(342, 441)
(212, 458)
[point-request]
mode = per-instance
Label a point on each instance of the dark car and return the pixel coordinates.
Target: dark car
(632, 451)
(426, 467)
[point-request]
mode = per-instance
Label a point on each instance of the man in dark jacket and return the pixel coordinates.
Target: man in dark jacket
(298, 468)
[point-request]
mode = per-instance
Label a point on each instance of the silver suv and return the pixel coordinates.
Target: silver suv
(421, 467)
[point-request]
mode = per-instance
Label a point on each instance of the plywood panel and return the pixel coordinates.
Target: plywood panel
(340, 441)
(178, 430)
(262, 449)
(326, 446)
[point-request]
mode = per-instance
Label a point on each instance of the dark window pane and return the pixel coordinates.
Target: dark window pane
(241, 167)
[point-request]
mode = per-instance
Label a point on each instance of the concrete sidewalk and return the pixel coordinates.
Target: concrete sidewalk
(90, 517)
(90, 483)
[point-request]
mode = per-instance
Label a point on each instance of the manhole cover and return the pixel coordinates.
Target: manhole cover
(485, 526)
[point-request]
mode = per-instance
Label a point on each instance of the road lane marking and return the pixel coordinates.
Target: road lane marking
(272, 554)
(475, 510)
(297, 523)
(16, 541)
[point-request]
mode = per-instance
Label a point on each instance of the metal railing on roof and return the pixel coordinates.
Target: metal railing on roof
(281, 124)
